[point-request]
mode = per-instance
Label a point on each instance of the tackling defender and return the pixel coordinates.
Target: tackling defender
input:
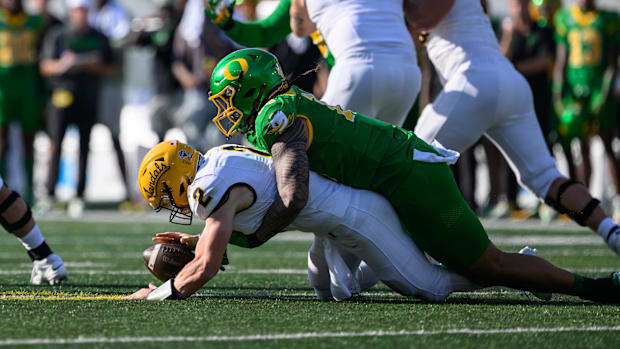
(16, 218)
(303, 134)
(483, 94)
(232, 187)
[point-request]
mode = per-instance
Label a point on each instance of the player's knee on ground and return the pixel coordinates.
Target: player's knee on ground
(577, 209)
(318, 272)
(408, 289)
(15, 215)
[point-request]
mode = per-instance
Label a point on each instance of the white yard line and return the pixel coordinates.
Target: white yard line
(303, 335)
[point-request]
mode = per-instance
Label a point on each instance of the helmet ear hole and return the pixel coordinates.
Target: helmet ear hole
(182, 188)
(250, 92)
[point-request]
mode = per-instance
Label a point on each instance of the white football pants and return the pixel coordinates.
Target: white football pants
(370, 245)
(494, 100)
(380, 86)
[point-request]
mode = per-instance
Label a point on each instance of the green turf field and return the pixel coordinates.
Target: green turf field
(264, 300)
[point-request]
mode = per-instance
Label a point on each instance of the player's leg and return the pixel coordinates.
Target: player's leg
(440, 222)
(318, 271)
(16, 218)
(520, 139)
(30, 123)
(57, 124)
(459, 115)
(371, 230)
(388, 88)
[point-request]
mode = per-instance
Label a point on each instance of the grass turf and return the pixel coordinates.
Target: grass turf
(265, 293)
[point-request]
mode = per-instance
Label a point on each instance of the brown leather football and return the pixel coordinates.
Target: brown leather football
(165, 261)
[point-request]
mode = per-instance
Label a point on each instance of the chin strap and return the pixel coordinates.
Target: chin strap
(582, 216)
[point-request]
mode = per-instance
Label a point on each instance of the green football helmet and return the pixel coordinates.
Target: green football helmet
(241, 84)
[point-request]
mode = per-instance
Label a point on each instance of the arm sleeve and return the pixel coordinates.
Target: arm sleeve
(264, 33)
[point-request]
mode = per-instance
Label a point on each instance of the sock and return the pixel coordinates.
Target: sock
(35, 244)
(602, 290)
(33, 239)
(578, 285)
(610, 232)
(605, 227)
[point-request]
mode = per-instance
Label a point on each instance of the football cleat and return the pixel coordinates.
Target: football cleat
(540, 295)
(51, 270)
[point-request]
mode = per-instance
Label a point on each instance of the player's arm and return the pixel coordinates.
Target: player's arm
(209, 251)
(426, 14)
(301, 25)
(264, 33)
(291, 165)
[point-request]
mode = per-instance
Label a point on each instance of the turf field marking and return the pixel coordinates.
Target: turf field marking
(56, 296)
(303, 335)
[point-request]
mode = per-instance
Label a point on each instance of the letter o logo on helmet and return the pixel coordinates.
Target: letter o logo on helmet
(244, 68)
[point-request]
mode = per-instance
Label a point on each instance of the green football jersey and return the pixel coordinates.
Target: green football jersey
(19, 35)
(343, 145)
(587, 36)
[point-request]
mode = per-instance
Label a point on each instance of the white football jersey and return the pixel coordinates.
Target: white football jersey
(353, 27)
(229, 165)
(463, 38)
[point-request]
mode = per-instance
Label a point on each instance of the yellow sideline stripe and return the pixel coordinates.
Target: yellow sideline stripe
(56, 296)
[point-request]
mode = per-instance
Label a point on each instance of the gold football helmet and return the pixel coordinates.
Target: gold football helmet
(164, 176)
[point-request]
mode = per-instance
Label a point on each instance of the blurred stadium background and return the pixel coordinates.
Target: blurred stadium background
(105, 185)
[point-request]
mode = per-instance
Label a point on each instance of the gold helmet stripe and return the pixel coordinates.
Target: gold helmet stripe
(244, 69)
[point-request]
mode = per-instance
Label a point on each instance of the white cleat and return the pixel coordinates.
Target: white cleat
(540, 295)
(50, 269)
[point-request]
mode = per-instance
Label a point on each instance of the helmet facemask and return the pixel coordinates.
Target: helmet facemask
(178, 214)
(228, 116)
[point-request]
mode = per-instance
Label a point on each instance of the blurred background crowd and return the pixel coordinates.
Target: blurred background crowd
(88, 86)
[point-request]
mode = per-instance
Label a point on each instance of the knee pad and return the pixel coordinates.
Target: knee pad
(581, 217)
(21, 222)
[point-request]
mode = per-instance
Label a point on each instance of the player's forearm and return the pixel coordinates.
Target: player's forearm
(51, 67)
(292, 171)
(209, 253)
(193, 276)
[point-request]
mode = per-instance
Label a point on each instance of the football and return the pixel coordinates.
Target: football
(166, 260)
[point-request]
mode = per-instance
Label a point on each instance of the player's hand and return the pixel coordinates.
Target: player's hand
(219, 11)
(141, 293)
(177, 238)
